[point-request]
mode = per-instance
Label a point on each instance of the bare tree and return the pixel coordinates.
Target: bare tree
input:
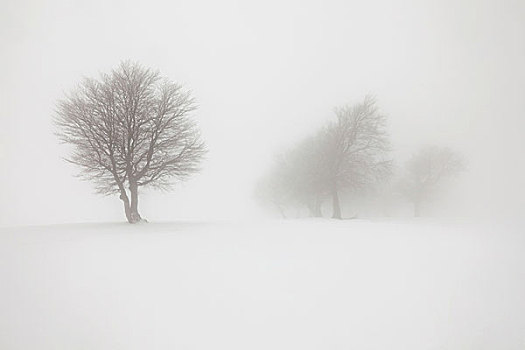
(355, 149)
(274, 188)
(296, 178)
(130, 128)
(425, 171)
(311, 173)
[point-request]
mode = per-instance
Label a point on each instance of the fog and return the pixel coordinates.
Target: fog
(208, 271)
(265, 74)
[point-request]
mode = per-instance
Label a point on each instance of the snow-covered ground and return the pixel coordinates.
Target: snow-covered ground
(305, 284)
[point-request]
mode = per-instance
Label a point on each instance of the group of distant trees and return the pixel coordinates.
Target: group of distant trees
(132, 128)
(349, 155)
(349, 152)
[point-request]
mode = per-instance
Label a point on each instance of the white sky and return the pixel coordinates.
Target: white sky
(265, 73)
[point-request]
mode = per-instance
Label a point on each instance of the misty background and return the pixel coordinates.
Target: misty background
(265, 74)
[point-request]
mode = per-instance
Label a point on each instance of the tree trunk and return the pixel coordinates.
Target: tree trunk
(335, 204)
(314, 207)
(134, 211)
(127, 209)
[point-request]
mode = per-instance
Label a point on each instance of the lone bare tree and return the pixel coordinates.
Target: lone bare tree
(356, 149)
(130, 128)
(425, 171)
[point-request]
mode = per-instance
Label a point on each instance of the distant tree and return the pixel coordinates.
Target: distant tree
(128, 129)
(273, 188)
(296, 179)
(425, 171)
(355, 149)
(309, 174)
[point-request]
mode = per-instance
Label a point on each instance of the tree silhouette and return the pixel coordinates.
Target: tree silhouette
(128, 129)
